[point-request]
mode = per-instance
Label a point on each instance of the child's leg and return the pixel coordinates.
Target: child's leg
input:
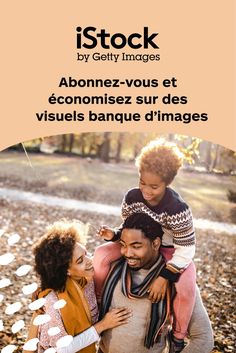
(104, 255)
(185, 297)
(184, 301)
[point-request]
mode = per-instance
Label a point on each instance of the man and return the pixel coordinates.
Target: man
(127, 285)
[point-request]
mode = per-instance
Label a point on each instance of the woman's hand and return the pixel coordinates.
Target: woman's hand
(157, 289)
(115, 317)
(105, 232)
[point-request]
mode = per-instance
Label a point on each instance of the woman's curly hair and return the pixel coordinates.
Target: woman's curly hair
(161, 158)
(53, 253)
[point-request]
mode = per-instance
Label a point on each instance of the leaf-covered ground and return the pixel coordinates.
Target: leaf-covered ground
(214, 261)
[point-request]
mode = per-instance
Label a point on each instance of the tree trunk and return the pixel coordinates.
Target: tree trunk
(208, 158)
(63, 143)
(216, 161)
(119, 147)
(71, 142)
(105, 148)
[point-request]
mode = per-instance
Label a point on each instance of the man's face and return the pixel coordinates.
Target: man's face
(138, 250)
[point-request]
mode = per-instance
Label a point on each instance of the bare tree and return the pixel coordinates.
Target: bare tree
(119, 147)
(63, 143)
(71, 142)
(104, 150)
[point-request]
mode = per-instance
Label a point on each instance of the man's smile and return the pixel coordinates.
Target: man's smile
(132, 261)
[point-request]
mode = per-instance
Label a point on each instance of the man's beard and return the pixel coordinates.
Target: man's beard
(134, 268)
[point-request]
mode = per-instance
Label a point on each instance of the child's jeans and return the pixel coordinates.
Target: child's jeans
(185, 287)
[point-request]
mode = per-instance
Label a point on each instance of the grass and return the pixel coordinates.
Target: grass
(205, 193)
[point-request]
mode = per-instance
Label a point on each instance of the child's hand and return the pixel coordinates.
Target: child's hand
(105, 232)
(157, 289)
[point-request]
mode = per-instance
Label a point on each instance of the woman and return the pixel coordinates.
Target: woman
(66, 271)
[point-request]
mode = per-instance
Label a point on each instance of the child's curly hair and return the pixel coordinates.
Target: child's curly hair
(161, 158)
(54, 250)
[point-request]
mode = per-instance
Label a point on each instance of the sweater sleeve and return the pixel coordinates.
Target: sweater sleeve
(81, 341)
(180, 228)
(131, 203)
(124, 215)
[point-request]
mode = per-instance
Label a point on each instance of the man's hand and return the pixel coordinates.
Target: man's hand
(157, 289)
(105, 232)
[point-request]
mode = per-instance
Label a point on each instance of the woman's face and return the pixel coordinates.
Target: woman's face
(81, 264)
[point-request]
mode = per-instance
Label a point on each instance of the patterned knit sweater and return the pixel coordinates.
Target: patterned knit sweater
(176, 220)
